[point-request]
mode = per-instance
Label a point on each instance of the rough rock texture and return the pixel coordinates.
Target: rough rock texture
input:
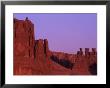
(23, 46)
(33, 57)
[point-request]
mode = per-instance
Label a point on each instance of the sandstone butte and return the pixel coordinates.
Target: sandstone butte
(33, 57)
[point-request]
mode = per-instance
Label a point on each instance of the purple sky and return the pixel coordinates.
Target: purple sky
(65, 32)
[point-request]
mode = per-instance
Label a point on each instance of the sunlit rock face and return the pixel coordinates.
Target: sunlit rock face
(33, 57)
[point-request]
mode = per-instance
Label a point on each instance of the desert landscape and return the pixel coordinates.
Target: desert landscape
(33, 57)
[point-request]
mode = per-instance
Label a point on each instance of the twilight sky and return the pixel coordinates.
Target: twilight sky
(66, 32)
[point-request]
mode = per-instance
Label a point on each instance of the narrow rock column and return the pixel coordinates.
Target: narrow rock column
(40, 55)
(86, 51)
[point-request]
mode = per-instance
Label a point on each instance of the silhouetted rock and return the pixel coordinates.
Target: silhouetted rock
(46, 48)
(93, 69)
(94, 51)
(63, 62)
(86, 51)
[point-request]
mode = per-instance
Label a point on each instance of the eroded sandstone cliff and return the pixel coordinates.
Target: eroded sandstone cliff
(33, 57)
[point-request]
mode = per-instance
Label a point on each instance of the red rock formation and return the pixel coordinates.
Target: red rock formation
(23, 46)
(46, 48)
(94, 51)
(80, 53)
(33, 57)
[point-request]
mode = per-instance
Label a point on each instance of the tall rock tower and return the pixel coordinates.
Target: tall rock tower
(23, 44)
(40, 55)
(46, 48)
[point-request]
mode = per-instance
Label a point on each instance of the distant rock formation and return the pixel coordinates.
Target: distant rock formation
(33, 57)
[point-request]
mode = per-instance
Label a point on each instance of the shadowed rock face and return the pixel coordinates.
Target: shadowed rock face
(33, 57)
(46, 48)
(93, 69)
(63, 62)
